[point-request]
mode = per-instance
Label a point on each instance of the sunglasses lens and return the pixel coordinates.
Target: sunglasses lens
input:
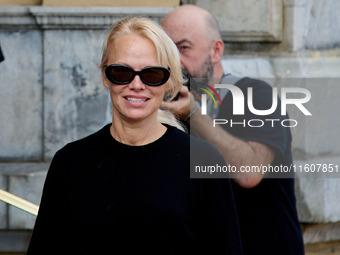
(155, 76)
(121, 74)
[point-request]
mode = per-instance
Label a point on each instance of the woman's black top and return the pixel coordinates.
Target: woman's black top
(105, 197)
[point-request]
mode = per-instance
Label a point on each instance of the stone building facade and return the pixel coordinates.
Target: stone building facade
(51, 91)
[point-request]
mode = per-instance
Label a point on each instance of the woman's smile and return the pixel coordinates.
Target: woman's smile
(136, 99)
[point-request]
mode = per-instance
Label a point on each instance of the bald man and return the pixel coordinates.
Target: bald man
(266, 207)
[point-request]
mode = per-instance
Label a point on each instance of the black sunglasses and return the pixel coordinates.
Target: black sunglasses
(152, 76)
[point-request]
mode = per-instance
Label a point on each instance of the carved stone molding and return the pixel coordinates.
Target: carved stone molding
(90, 17)
(239, 21)
(72, 17)
(15, 17)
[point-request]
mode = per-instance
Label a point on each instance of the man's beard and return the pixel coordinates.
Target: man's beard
(206, 70)
(204, 74)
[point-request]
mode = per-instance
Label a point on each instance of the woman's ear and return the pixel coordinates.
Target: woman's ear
(216, 51)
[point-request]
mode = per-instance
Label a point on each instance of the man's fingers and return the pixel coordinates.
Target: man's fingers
(180, 107)
(184, 91)
(167, 105)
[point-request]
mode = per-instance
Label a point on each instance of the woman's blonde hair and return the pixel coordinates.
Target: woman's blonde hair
(167, 55)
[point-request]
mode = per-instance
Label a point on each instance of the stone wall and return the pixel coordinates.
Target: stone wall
(51, 91)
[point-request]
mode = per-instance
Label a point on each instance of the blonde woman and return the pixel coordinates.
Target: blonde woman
(126, 189)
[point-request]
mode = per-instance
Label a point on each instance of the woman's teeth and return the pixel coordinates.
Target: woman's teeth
(136, 100)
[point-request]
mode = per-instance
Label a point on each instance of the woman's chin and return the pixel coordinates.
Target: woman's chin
(136, 117)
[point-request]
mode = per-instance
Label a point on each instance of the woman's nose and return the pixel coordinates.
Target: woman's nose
(137, 83)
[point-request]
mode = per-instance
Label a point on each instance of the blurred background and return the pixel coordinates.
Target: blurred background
(51, 91)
